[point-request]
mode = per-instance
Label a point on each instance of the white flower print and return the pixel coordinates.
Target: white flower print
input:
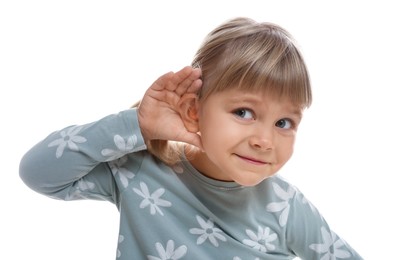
(152, 200)
(284, 205)
(123, 147)
(330, 248)
(85, 185)
(120, 240)
(312, 207)
(207, 231)
(170, 253)
(177, 168)
(262, 240)
(68, 138)
(123, 174)
(81, 186)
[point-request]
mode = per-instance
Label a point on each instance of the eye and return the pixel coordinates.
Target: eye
(244, 113)
(285, 123)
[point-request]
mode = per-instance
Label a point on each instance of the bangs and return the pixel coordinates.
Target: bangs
(263, 60)
(282, 77)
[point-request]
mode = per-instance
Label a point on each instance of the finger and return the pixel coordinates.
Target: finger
(195, 86)
(177, 78)
(178, 82)
(184, 81)
(162, 82)
(190, 84)
(193, 139)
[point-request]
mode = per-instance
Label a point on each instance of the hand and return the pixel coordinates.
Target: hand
(158, 113)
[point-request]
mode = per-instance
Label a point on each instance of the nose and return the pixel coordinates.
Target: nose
(263, 140)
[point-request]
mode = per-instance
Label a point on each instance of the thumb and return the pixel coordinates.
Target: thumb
(193, 139)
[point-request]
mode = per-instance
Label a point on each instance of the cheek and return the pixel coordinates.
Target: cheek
(208, 126)
(212, 138)
(286, 150)
(220, 134)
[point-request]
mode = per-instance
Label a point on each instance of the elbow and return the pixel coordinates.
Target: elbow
(27, 174)
(32, 174)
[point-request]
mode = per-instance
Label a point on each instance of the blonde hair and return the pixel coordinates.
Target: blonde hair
(244, 54)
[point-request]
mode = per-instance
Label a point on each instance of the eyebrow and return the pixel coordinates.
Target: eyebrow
(297, 112)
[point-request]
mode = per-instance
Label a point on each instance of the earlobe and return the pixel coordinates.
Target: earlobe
(188, 108)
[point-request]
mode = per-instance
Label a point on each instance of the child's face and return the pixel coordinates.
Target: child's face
(247, 137)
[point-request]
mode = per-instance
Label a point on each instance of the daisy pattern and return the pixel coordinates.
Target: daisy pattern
(80, 187)
(177, 168)
(284, 205)
(152, 200)
(170, 253)
(262, 240)
(120, 240)
(69, 137)
(207, 231)
(123, 173)
(330, 248)
(123, 147)
(312, 207)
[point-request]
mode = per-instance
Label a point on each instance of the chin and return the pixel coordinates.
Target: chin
(249, 182)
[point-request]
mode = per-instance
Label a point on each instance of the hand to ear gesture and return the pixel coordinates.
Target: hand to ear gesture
(158, 113)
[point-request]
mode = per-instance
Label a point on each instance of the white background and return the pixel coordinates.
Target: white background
(72, 62)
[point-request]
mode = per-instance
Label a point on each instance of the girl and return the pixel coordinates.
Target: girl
(192, 168)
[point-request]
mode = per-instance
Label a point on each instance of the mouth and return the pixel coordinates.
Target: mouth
(252, 160)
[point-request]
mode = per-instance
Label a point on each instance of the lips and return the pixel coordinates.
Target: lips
(251, 160)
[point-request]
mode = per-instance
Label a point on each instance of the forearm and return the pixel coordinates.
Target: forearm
(68, 155)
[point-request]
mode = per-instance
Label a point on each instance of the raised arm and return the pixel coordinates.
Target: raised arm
(73, 163)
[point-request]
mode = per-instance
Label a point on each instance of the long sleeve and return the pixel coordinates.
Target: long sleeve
(177, 208)
(72, 163)
(310, 237)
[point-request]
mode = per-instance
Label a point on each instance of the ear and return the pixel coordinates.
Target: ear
(188, 109)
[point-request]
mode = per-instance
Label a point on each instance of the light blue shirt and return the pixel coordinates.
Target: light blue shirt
(176, 212)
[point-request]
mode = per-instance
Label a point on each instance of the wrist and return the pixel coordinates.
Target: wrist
(141, 123)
